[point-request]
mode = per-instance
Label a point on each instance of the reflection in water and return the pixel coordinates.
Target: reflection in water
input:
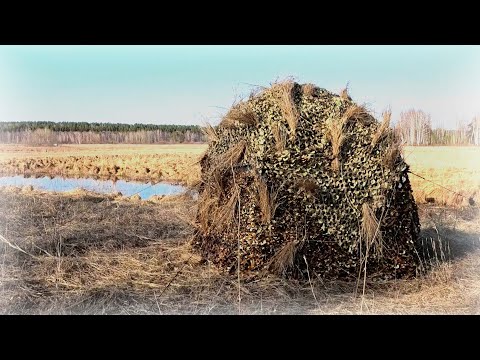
(127, 188)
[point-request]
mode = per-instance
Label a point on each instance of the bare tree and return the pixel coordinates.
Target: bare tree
(461, 135)
(474, 130)
(415, 127)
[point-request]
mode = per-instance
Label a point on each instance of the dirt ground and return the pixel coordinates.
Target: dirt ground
(83, 253)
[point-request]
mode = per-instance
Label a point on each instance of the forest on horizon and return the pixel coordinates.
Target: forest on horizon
(47, 132)
(413, 128)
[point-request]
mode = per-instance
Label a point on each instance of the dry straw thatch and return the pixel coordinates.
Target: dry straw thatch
(288, 106)
(296, 183)
(370, 233)
(309, 89)
(344, 94)
(240, 114)
(280, 136)
(382, 129)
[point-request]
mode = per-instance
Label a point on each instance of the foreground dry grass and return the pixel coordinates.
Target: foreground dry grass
(86, 253)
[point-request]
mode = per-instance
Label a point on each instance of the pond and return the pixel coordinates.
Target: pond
(127, 188)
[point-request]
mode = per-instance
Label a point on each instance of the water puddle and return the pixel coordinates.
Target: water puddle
(127, 188)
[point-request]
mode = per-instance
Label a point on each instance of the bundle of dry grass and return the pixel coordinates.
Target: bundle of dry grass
(287, 105)
(306, 182)
(370, 231)
(383, 128)
(240, 114)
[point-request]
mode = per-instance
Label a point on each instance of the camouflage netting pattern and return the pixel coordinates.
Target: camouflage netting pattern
(300, 182)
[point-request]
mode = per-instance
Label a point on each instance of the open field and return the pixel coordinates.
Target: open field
(20, 151)
(176, 163)
(81, 252)
(456, 168)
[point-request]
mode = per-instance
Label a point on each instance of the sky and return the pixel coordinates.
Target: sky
(168, 84)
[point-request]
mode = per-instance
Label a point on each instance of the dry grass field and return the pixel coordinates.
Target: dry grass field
(456, 168)
(8, 151)
(80, 252)
(175, 163)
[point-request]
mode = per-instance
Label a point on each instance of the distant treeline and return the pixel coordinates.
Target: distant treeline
(44, 133)
(415, 128)
(95, 127)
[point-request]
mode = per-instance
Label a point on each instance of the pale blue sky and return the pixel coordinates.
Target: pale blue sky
(191, 84)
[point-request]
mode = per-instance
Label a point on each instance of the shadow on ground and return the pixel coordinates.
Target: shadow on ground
(448, 233)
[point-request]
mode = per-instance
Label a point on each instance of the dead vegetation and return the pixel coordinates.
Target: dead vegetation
(91, 254)
(284, 258)
(222, 217)
(267, 200)
(231, 157)
(453, 167)
(371, 235)
(87, 253)
(344, 94)
(280, 136)
(335, 131)
(179, 167)
(239, 114)
(393, 153)
(210, 132)
(214, 216)
(382, 129)
(336, 137)
(309, 89)
(452, 173)
(287, 105)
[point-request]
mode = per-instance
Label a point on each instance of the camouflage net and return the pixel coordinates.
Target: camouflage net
(300, 181)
